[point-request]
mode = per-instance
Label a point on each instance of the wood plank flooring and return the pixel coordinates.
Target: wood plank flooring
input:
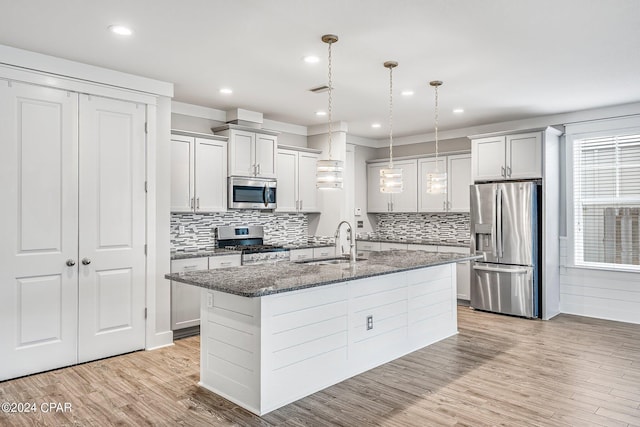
(498, 370)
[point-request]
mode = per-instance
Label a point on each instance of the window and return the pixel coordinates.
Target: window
(606, 199)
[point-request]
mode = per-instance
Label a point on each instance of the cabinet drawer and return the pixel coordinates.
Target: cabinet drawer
(224, 261)
(417, 247)
(454, 249)
(367, 246)
(300, 254)
(189, 264)
(327, 252)
(384, 246)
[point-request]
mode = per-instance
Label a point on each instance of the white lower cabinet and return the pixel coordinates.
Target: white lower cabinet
(387, 246)
(463, 273)
(185, 299)
(324, 252)
(300, 254)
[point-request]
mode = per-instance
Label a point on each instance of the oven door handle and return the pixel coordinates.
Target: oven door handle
(501, 270)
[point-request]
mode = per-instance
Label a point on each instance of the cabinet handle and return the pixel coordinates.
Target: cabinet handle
(191, 203)
(509, 171)
(444, 205)
(198, 203)
(300, 204)
(189, 267)
(258, 166)
(70, 263)
(503, 172)
(86, 261)
(226, 263)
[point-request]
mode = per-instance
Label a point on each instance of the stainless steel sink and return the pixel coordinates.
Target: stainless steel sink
(329, 261)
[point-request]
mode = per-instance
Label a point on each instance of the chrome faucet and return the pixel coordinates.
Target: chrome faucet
(352, 241)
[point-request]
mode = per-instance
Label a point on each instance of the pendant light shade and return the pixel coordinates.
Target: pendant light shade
(391, 178)
(329, 172)
(436, 181)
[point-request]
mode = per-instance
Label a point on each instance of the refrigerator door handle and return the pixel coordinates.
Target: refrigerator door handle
(502, 270)
(499, 223)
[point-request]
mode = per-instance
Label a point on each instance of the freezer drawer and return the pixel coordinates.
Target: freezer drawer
(504, 289)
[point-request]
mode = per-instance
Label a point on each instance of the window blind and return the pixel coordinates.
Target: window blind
(606, 186)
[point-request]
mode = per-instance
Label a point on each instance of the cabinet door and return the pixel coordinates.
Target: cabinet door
(224, 261)
(307, 190)
(185, 299)
(266, 152)
(112, 228)
(524, 156)
(407, 201)
(39, 229)
(388, 246)
(431, 202)
(376, 201)
(488, 158)
(324, 252)
(459, 180)
(287, 182)
(241, 155)
(463, 280)
(210, 176)
(182, 164)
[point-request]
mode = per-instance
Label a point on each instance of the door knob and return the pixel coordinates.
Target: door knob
(70, 263)
(86, 261)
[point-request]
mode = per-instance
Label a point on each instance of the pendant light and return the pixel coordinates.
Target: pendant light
(329, 172)
(390, 178)
(436, 181)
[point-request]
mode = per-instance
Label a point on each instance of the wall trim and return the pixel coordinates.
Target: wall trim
(33, 61)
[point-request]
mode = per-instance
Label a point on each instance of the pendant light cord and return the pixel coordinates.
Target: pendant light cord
(436, 127)
(390, 117)
(330, 88)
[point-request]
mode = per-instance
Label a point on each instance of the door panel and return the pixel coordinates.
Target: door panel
(39, 228)
(112, 223)
(287, 191)
(307, 190)
(210, 176)
(266, 151)
(504, 289)
(182, 163)
(517, 242)
(430, 202)
(241, 157)
(483, 221)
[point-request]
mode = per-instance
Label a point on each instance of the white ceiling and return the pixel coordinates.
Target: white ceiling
(499, 59)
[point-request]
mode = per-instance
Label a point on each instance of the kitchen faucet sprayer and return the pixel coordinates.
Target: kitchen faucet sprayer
(352, 242)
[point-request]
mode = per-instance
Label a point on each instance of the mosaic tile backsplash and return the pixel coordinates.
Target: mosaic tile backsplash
(445, 227)
(199, 229)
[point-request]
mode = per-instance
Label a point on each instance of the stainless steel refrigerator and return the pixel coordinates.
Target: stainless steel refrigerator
(504, 230)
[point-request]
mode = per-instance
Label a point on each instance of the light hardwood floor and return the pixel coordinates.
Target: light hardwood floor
(498, 370)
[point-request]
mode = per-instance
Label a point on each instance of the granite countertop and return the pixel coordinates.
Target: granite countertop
(284, 276)
(416, 241)
(203, 253)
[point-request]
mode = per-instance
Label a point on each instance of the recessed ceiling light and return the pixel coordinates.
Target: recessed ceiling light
(458, 110)
(311, 59)
(120, 30)
(226, 91)
(406, 93)
(321, 113)
(376, 125)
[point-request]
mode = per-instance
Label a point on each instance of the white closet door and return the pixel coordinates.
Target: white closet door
(112, 223)
(38, 228)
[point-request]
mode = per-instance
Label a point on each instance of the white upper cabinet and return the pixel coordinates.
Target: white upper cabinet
(407, 201)
(456, 199)
(198, 174)
(297, 190)
(505, 157)
(431, 202)
(251, 153)
(458, 182)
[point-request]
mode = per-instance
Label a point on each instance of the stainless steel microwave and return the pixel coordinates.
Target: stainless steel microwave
(252, 193)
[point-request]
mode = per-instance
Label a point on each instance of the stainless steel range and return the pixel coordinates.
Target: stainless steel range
(249, 239)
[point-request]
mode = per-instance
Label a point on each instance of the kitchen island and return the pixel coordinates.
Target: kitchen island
(274, 333)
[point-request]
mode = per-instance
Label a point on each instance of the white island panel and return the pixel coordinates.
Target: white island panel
(263, 353)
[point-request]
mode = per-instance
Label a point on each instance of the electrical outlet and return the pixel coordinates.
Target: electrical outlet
(369, 322)
(210, 300)
(360, 224)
